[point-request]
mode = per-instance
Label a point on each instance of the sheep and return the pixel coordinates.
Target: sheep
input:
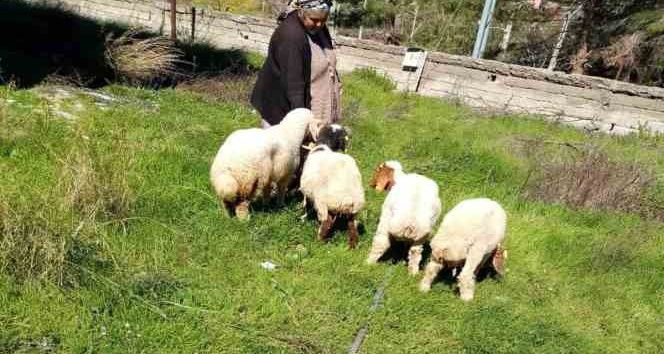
(252, 162)
(470, 234)
(332, 181)
(409, 213)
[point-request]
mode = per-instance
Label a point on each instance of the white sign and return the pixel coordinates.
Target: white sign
(414, 59)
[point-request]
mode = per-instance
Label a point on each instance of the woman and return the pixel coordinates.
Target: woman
(300, 70)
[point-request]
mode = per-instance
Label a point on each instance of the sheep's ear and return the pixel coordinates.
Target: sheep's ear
(348, 131)
(389, 184)
(498, 261)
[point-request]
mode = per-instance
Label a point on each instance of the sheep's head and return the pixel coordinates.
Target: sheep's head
(498, 261)
(334, 136)
(383, 178)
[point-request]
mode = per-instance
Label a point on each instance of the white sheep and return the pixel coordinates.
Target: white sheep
(251, 162)
(470, 234)
(333, 183)
(409, 214)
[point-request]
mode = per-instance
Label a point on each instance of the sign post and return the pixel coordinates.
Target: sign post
(413, 63)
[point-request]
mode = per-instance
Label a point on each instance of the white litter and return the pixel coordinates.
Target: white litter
(268, 265)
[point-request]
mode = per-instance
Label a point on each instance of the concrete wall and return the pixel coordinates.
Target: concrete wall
(584, 101)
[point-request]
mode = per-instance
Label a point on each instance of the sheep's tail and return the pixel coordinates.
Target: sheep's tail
(225, 186)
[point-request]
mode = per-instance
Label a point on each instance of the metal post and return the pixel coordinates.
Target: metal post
(174, 35)
(483, 29)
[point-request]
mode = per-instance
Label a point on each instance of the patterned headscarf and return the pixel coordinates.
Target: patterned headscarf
(324, 5)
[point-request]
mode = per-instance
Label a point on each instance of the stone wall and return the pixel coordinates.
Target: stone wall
(589, 102)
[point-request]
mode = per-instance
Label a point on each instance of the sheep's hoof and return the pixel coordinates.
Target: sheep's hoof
(425, 288)
(413, 271)
(242, 211)
(352, 233)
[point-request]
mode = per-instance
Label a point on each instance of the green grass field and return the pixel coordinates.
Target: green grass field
(112, 241)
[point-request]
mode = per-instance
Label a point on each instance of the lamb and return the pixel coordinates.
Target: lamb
(251, 162)
(409, 213)
(470, 234)
(332, 181)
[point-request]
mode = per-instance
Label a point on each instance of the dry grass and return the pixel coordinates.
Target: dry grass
(622, 55)
(33, 242)
(138, 59)
(221, 88)
(95, 179)
(590, 179)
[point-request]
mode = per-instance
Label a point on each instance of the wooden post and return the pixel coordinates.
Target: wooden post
(174, 35)
(335, 19)
(561, 38)
(364, 7)
(193, 24)
(506, 37)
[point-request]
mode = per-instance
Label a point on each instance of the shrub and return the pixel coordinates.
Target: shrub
(590, 179)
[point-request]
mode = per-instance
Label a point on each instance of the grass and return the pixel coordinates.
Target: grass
(139, 257)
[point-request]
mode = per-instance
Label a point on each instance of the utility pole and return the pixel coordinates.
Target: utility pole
(174, 35)
(483, 29)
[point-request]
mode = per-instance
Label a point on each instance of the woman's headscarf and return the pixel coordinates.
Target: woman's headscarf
(324, 5)
(293, 5)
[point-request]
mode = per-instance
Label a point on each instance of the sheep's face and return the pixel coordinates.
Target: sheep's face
(334, 136)
(383, 178)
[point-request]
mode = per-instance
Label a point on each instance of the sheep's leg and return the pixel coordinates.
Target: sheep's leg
(430, 272)
(352, 232)
(380, 243)
(229, 208)
(304, 206)
(282, 190)
(414, 258)
(467, 276)
(326, 227)
(242, 210)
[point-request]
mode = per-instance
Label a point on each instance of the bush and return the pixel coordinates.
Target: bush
(591, 180)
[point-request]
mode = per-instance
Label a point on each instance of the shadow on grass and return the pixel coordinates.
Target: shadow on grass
(47, 40)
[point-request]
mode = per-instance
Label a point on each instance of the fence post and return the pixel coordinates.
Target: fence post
(364, 7)
(561, 38)
(193, 24)
(174, 35)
